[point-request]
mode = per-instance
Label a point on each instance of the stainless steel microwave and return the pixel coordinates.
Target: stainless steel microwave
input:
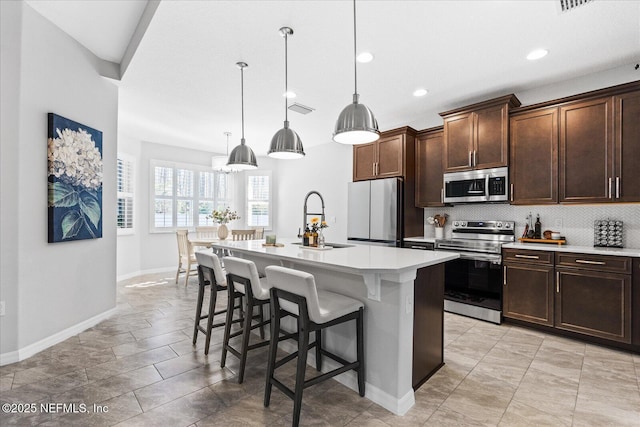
(482, 185)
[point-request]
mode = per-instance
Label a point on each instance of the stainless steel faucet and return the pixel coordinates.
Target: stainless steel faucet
(304, 219)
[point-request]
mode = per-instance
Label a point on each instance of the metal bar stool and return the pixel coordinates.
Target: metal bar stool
(294, 292)
(210, 273)
(243, 281)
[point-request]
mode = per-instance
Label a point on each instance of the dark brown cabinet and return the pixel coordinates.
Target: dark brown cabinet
(533, 150)
(586, 151)
(599, 149)
(593, 295)
(429, 151)
(476, 136)
(626, 153)
(385, 158)
(528, 286)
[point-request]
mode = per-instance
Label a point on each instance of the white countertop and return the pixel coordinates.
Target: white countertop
(420, 239)
(359, 258)
(631, 252)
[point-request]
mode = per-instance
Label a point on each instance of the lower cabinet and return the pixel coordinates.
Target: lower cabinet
(591, 300)
(528, 286)
(592, 295)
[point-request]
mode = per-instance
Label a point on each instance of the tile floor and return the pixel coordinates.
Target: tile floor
(140, 369)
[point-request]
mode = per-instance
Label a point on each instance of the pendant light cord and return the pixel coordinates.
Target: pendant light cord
(355, 53)
(286, 78)
(242, 102)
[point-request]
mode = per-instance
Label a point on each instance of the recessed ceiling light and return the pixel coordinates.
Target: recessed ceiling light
(537, 54)
(289, 94)
(365, 57)
(420, 92)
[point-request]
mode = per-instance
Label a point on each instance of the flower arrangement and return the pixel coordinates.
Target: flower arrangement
(224, 216)
(438, 220)
(317, 225)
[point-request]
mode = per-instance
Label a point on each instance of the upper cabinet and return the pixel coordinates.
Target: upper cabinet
(429, 152)
(600, 150)
(477, 136)
(533, 163)
(390, 156)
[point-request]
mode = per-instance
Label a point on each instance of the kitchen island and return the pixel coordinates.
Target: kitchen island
(383, 279)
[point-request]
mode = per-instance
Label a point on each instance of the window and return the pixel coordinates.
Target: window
(259, 199)
(185, 195)
(125, 187)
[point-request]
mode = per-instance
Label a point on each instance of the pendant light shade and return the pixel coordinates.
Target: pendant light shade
(219, 163)
(286, 144)
(242, 157)
(356, 123)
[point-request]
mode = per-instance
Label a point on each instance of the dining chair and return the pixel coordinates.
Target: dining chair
(243, 234)
(187, 261)
(259, 232)
(207, 231)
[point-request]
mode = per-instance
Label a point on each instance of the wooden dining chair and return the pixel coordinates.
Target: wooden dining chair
(207, 231)
(259, 232)
(187, 262)
(243, 234)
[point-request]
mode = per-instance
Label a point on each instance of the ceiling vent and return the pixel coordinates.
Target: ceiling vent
(569, 5)
(299, 108)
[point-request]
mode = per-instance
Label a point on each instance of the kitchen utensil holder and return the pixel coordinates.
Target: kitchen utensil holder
(607, 233)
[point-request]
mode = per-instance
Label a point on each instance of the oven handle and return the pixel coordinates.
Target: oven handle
(493, 259)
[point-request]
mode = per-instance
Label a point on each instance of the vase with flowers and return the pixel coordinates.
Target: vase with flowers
(223, 217)
(438, 221)
(316, 229)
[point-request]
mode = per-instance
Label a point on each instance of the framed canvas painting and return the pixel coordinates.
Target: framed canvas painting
(74, 180)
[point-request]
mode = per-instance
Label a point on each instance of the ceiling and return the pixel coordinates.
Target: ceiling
(182, 86)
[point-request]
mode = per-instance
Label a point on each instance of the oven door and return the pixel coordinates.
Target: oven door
(473, 286)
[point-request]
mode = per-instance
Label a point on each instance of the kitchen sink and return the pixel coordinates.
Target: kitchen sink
(333, 245)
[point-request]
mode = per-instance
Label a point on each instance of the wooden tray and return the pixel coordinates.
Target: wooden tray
(553, 241)
(274, 245)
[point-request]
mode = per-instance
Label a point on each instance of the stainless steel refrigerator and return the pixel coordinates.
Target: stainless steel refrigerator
(375, 212)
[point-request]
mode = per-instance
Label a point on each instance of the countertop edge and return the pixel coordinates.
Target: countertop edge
(630, 252)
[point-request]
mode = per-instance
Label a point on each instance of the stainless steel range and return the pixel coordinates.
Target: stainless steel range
(473, 283)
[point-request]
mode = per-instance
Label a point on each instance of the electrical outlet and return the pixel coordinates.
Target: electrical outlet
(558, 223)
(1, 308)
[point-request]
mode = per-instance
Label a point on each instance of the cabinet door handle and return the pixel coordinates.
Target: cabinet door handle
(511, 197)
(470, 160)
(377, 168)
(504, 275)
(586, 261)
(610, 188)
(557, 282)
(442, 195)
(373, 170)
(527, 256)
(617, 187)
(475, 158)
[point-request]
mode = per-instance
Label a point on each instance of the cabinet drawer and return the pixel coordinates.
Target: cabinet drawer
(527, 256)
(615, 264)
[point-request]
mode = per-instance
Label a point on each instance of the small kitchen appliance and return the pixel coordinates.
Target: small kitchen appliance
(483, 185)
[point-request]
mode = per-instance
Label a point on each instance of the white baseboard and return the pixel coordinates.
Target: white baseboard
(350, 379)
(31, 349)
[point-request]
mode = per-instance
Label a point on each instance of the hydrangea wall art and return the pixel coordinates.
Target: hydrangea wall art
(74, 180)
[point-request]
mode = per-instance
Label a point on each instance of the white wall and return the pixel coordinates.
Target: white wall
(326, 168)
(59, 286)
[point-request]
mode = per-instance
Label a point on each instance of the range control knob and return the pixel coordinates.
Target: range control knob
(455, 223)
(507, 225)
(463, 224)
(499, 225)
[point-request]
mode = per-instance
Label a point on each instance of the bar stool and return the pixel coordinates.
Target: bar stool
(210, 273)
(295, 293)
(244, 282)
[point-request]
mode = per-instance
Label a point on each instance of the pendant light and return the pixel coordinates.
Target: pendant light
(286, 143)
(356, 124)
(242, 157)
(219, 163)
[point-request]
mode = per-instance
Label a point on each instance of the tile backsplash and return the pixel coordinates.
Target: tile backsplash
(576, 220)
